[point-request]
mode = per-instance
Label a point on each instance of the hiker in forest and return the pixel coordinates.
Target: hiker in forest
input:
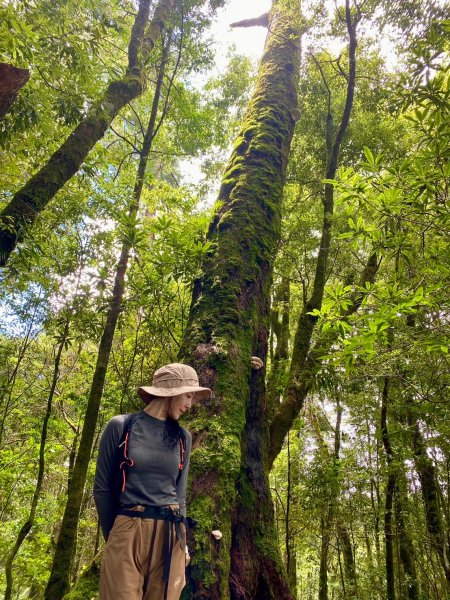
(140, 487)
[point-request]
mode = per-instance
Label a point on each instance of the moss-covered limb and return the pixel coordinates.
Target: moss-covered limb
(33, 197)
(229, 314)
(261, 21)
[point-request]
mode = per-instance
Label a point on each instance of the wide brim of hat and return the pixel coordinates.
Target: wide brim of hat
(147, 393)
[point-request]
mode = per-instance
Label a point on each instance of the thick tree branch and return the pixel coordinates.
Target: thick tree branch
(21, 213)
(261, 21)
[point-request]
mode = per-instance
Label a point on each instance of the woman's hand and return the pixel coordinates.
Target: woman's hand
(188, 557)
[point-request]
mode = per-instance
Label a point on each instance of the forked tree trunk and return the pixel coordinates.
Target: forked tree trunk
(21, 212)
(58, 583)
(305, 361)
(228, 324)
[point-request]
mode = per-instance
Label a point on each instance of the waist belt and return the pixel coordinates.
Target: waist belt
(172, 520)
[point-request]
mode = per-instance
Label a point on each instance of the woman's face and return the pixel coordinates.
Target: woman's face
(178, 405)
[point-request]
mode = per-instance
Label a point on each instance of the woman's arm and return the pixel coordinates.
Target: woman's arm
(182, 481)
(104, 476)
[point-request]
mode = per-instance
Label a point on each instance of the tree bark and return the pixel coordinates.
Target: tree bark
(19, 215)
(390, 491)
(58, 583)
(332, 492)
(430, 492)
(228, 324)
(12, 80)
(406, 548)
(291, 498)
(349, 561)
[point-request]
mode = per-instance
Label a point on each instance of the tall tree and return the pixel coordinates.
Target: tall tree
(228, 324)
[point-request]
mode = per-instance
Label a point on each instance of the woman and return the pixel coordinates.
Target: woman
(146, 551)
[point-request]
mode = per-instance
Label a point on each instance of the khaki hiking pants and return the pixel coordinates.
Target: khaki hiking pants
(132, 567)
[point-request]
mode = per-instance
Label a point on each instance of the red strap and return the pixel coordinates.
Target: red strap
(129, 462)
(181, 465)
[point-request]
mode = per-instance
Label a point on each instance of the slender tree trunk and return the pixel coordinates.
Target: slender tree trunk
(21, 212)
(430, 492)
(291, 559)
(390, 491)
(7, 388)
(303, 361)
(328, 515)
(324, 548)
(280, 328)
(228, 324)
(65, 549)
(406, 548)
(26, 527)
(349, 561)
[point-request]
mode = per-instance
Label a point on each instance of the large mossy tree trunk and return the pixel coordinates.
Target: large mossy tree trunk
(59, 580)
(228, 324)
(22, 211)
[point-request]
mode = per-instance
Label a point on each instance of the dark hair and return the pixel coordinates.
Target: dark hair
(173, 432)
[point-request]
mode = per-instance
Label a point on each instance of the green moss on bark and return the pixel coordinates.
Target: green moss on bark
(229, 313)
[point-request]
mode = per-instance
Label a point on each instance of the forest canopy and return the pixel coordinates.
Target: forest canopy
(302, 268)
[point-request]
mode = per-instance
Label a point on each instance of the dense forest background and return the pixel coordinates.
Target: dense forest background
(325, 256)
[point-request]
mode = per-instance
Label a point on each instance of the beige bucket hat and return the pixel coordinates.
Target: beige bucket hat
(173, 380)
